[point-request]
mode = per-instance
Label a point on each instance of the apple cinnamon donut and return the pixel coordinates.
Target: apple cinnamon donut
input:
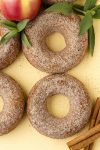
(13, 107)
(9, 51)
(79, 100)
(46, 60)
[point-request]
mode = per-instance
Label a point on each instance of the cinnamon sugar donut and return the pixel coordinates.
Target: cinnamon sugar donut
(80, 106)
(13, 100)
(9, 51)
(46, 60)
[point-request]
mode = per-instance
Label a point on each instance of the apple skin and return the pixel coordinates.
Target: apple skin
(17, 10)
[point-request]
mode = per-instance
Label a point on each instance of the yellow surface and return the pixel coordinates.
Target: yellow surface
(58, 105)
(56, 46)
(24, 137)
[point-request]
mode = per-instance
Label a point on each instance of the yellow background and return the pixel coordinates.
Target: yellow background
(24, 137)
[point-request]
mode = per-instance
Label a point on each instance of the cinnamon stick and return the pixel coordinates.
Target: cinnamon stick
(85, 142)
(94, 120)
(98, 118)
(85, 139)
(95, 113)
(97, 122)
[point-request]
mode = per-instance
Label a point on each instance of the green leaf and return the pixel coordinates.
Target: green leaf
(11, 34)
(8, 36)
(8, 24)
(79, 9)
(25, 40)
(91, 38)
(86, 23)
(97, 12)
(3, 40)
(89, 4)
(22, 24)
(10, 28)
(61, 7)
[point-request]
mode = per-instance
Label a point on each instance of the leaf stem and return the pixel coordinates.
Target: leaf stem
(80, 11)
(95, 8)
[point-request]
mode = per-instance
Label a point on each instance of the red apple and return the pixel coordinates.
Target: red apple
(17, 10)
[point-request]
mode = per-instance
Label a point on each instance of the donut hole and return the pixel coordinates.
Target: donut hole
(55, 42)
(1, 103)
(58, 105)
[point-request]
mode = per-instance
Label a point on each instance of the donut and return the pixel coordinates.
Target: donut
(46, 60)
(56, 1)
(13, 107)
(79, 100)
(9, 51)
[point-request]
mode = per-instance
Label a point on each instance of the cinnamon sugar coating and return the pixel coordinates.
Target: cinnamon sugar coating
(46, 60)
(79, 100)
(13, 100)
(9, 51)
